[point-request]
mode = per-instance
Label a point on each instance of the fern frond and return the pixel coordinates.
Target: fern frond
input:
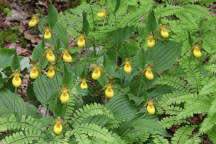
(174, 82)
(89, 111)
(69, 109)
(194, 140)
(175, 97)
(210, 121)
(159, 140)
(23, 137)
(211, 68)
(195, 105)
(168, 122)
(25, 124)
(209, 87)
(182, 134)
(211, 134)
(93, 130)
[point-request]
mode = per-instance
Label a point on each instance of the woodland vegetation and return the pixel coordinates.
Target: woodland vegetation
(107, 72)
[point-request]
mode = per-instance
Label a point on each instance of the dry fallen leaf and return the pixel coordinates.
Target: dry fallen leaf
(17, 16)
(32, 38)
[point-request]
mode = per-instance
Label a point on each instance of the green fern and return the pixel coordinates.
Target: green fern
(159, 140)
(183, 134)
(89, 111)
(23, 137)
(95, 131)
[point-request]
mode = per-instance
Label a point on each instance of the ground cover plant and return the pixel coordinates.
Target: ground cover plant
(113, 72)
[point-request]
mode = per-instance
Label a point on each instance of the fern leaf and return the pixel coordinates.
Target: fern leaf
(89, 111)
(26, 123)
(160, 140)
(209, 87)
(174, 82)
(194, 140)
(195, 105)
(21, 138)
(211, 134)
(176, 97)
(93, 130)
(211, 68)
(168, 122)
(69, 109)
(210, 121)
(182, 134)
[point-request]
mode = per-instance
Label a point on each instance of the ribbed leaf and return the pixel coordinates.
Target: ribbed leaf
(150, 126)
(52, 17)
(86, 25)
(6, 57)
(13, 103)
(165, 55)
(151, 22)
(38, 51)
(45, 88)
(121, 107)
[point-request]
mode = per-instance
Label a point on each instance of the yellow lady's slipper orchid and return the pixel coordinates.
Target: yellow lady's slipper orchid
(16, 81)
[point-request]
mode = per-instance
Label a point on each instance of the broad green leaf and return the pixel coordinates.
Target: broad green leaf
(165, 55)
(121, 107)
(117, 5)
(119, 35)
(45, 89)
(67, 78)
(86, 25)
(14, 103)
(38, 51)
(15, 63)
(43, 62)
(190, 40)
(61, 36)
(52, 17)
(151, 22)
(150, 126)
(6, 56)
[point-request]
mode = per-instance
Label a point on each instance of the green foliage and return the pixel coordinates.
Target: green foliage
(181, 88)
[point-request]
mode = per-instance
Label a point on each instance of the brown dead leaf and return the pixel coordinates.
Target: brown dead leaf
(19, 50)
(17, 16)
(32, 38)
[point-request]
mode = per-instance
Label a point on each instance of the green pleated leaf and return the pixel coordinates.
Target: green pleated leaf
(67, 78)
(190, 40)
(60, 34)
(13, 103)
(121, 107)
(117, 5)
(151, 22)
(45, 89)
(86, 25)
(52, 17)
(165, 55)
(150, 126)
(6, 56)
(38, 51)
(15, 63)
